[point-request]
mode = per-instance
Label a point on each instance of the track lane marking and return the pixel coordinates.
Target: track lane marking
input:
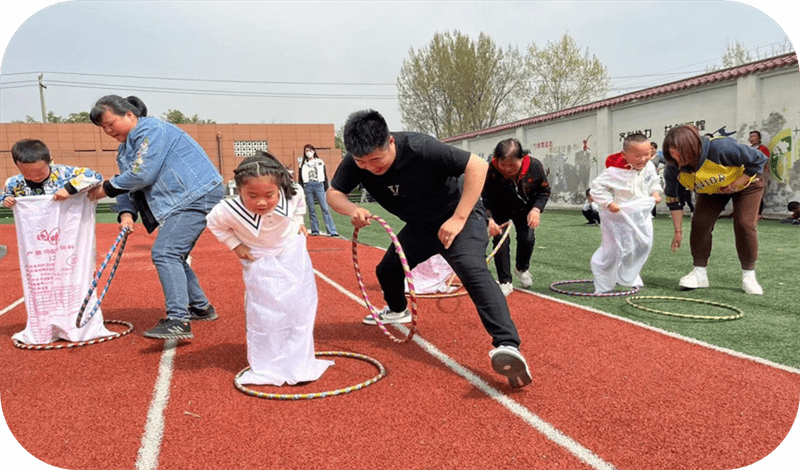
(147, 457)
(12, 306)
(545, 428)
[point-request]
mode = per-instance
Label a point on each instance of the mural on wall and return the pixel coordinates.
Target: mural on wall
(781, 173)
(571, 169)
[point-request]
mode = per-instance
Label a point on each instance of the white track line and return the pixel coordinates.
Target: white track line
(12, 306)
(687, 339)
(154, 426)
(548, 430)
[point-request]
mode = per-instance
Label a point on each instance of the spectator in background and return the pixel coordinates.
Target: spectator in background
(314, 180)
(755, 142)
(794, 218)
(590, 209)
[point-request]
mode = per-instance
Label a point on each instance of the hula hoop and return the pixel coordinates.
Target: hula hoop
(588, 294)
(62, 345)
(308, 396)
(739, 312)
(451, 279)
(413, 296)
(122, 237)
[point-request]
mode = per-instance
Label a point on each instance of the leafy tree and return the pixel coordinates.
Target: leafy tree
(457, 85)
(53, 119)
(561, 77)
(338, 141)
(176, 117)
(81, 117)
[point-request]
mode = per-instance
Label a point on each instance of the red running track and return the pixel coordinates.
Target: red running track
(607, 393)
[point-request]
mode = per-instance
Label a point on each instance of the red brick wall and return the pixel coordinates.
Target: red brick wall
(86, 145)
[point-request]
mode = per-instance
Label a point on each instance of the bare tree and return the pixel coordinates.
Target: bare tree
(563, 78)
(457, 85)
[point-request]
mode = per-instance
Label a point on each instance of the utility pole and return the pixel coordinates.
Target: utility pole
(41, 99)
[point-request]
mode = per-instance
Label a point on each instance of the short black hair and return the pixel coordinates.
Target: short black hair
(117, 105)
(635, 137)
(793, 206)
(30, 151)
(364, 132)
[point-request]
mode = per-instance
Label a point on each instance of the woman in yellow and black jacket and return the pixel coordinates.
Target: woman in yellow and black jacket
(718, 170)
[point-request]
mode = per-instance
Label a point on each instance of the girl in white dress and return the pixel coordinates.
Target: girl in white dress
(264, 227)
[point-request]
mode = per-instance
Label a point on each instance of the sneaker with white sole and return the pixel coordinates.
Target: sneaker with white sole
(169, 328)
(694, 280)
(524, 277)
(508, 361)
(387, 316)
(506, 287)
(750, 285)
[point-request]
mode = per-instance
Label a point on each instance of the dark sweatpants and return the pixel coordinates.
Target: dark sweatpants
(526, 239)
(467, 257)
(745, 222)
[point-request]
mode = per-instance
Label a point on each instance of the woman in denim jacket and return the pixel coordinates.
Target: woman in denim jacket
(167, 178)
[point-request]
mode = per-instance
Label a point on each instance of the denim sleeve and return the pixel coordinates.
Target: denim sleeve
(150, 146)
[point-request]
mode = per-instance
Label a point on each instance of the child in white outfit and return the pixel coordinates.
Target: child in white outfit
(264, 228)
(626, 192)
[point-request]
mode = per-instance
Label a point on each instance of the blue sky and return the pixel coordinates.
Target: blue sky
(332, 58)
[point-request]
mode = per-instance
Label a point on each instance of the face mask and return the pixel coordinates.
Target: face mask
(310, 154)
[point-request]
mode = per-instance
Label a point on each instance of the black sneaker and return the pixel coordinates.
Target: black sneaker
(170, 329)
(195, 314)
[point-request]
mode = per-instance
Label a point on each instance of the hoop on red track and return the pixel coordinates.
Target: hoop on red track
(554, 288)
(77, 344)
(411, 293)
(308, 396)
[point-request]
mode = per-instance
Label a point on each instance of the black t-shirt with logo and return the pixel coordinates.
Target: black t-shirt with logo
(422, 185)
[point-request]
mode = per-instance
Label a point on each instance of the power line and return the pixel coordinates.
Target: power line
(189, 91)
(262, 82)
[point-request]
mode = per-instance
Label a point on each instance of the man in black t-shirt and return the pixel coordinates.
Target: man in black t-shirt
(435, 189)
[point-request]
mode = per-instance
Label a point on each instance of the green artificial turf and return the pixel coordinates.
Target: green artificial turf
(770, 327)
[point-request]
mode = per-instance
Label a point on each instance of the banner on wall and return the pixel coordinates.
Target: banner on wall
(781, 155)
(56, 244)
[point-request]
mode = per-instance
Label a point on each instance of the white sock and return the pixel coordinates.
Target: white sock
(701, 270)
(747, 273)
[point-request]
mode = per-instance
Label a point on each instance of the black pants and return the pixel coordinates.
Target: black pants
(591, 215)
(467, 257)
(526, 239)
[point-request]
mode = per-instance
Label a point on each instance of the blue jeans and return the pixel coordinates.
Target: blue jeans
(176, 239)
(317, 190)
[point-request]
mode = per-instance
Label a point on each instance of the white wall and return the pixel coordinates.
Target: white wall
(574, 148)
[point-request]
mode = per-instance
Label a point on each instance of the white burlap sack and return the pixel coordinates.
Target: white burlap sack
(56, 242)
(625, 246)
(280, 306)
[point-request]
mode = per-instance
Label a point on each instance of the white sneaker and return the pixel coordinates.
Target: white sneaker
(506, 287)
(750, 285)
(524, 278)
(387, 316)
(696, 279)
(508, 361)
